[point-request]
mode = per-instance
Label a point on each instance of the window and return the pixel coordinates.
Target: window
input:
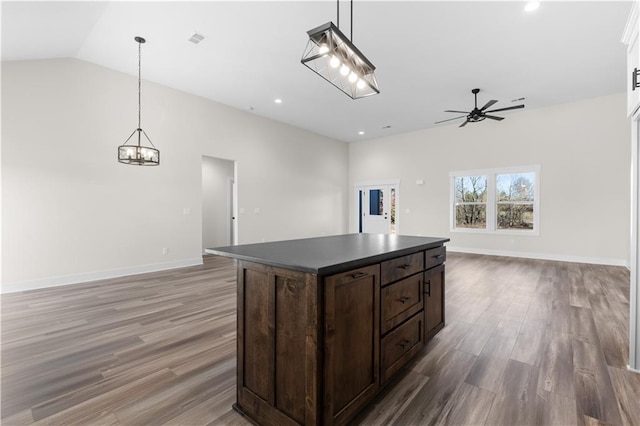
(514, 204)
(471, 202)
(496, 200)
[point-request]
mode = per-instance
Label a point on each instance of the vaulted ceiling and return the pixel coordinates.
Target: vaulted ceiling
(428, 54)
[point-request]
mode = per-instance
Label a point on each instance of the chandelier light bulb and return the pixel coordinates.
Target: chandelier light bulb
(353, 77)
(344, 69)
(323, 49)
(334, 62)
(360, 84)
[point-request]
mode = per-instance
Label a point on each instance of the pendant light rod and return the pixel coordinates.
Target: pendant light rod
(338, 17)
(140, 40)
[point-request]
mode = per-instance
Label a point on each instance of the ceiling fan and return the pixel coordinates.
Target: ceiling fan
(479, 114)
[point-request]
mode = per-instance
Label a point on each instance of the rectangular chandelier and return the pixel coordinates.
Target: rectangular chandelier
(332, 56)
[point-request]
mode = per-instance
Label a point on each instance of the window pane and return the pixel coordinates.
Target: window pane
(471, 189)
(515, 216)
(515, 187)
(471, 216)
(376, 202)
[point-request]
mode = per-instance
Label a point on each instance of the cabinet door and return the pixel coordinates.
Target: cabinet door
(433, 301)
(352, 340)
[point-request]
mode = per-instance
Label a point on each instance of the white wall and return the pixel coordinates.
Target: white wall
(217, 174)
(582, 148)
(71, 212)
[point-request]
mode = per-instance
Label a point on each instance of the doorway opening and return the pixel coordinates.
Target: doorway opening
(377, 207)
(219, 194)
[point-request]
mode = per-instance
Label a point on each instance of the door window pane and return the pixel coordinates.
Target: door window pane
(376, 202)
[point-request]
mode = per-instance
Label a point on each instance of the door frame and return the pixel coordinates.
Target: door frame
(634, 255)
(360, 186)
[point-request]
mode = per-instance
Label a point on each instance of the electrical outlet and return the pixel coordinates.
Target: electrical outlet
(165, 250)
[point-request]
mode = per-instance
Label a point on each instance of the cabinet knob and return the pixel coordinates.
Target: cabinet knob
(405, 299)
(438, 256)
(405, 266)
(404, 343)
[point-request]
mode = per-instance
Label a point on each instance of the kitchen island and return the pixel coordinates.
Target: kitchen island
(324, 323)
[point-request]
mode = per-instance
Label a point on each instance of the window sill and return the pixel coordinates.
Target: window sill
(532, 233)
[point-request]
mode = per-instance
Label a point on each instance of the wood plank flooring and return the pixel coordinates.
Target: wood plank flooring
(526, 343)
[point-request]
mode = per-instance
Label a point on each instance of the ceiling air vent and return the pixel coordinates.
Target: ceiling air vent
(196, 38)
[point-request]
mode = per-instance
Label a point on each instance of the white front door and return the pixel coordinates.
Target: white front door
(377, 209)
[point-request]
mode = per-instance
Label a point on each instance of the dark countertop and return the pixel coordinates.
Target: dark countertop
(329, 255)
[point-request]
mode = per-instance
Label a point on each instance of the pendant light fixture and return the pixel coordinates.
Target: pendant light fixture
(335, 58)
(138, 154)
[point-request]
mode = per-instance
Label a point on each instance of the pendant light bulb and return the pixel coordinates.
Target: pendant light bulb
(353, 77)
(323, 49)
(344, 70)
(360, 84)
(334, 62)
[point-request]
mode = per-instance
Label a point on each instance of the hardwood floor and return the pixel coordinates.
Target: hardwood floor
(526, 343)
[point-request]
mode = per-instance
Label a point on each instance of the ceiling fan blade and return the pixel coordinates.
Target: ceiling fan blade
(464, 124)
(488, 104)
(507, 108)
(493, 117)
(461, 112)
(457, 118)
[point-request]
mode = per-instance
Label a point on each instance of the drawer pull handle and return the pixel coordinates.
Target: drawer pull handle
(359, 275)
(404, 343)
(438, 256)
(405, 266)
(634, 79)
(428, 289)
(405, 299)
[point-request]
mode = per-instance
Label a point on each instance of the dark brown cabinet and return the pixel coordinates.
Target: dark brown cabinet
(433, 301)
(352, 336)
(325, 323)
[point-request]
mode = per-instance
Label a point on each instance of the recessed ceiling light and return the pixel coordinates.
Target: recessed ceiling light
(361, 132)
(278, 101)
(531, 6)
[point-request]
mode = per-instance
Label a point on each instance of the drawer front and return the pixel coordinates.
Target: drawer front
(401, 267)
(399, 346)
(435, 257)
(400, 301)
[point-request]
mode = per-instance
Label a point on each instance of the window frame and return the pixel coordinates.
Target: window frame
(491, 209)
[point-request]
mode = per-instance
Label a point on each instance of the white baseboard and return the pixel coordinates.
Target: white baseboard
(540, 256)
(633, 370)
(95, 276)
